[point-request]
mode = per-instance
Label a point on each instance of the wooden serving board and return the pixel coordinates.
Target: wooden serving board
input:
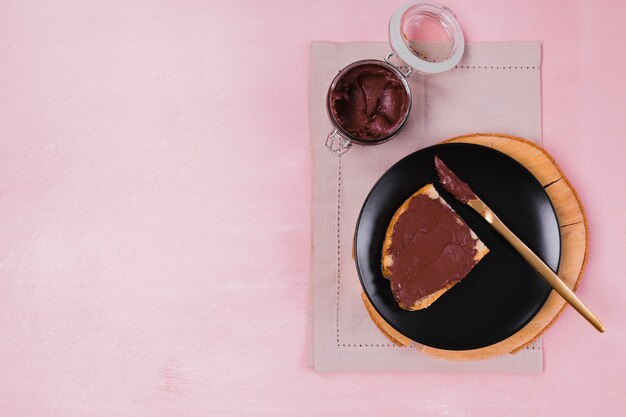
(574, 244)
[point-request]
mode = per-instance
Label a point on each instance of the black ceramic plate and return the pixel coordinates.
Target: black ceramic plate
(502, 293)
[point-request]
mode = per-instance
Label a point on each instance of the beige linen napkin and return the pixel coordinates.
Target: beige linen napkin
(495, 88)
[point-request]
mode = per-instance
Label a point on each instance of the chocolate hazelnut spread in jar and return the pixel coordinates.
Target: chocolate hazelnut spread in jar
(369, 101)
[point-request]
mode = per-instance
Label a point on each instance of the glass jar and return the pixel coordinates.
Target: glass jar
(369, 101)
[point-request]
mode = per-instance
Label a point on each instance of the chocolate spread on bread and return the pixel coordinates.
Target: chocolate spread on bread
(369, 102)
(453, 184)
(430, 248)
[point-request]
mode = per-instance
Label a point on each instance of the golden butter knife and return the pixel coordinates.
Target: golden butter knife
(462, 192)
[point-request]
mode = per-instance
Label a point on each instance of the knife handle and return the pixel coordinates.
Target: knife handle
(541, 267)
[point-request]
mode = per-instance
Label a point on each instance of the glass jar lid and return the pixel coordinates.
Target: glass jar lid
(426, 37)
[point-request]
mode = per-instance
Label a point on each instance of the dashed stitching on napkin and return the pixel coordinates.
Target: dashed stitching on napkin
(339, 270)
(498, 67)
(338, 247)
(375, 345)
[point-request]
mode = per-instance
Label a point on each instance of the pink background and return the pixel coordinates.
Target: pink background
(154, 209)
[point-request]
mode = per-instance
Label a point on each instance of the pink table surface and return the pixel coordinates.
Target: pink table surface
(154, 209)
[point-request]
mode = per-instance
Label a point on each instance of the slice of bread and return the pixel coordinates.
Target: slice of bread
(388, 259)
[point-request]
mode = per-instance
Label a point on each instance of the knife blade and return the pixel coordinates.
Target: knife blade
(462, 192)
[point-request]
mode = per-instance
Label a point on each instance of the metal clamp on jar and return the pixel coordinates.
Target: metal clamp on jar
(369, 101)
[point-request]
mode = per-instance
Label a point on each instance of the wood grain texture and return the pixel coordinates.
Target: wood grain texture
(574, 241)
